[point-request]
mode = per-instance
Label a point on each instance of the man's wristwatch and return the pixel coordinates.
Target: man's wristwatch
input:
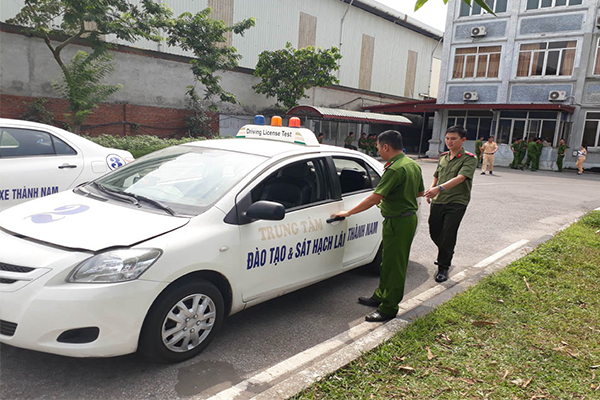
(441, 188)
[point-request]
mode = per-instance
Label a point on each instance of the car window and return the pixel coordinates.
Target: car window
(62, 148)
(354, 175)
(189, 179)
(16, 142)
(295, 185)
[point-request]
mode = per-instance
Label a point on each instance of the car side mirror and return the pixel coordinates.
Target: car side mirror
(267, 210)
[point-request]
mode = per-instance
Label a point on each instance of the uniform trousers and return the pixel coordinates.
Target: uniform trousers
(559, 162)
(488, 162)
(444, 220)
(398, 234)
(579, 164)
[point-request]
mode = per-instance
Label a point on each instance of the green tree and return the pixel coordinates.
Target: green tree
(482, 3)
(205, 37)
(287, 73)
(63, 22)
(82, 86)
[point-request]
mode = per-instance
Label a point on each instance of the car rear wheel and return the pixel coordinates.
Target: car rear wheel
(182, 322)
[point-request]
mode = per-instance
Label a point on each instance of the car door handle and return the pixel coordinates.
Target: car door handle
(67, 166)
(330, 220)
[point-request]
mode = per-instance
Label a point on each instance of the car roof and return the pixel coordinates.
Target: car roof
(261, 147)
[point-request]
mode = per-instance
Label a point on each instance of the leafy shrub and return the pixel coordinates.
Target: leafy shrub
(138, 145)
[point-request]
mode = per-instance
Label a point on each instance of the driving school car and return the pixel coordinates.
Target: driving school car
(154, 255)
(38, 160)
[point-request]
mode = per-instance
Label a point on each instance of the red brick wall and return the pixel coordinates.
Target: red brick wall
(112, 119)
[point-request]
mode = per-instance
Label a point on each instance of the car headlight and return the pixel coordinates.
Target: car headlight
(114, 266)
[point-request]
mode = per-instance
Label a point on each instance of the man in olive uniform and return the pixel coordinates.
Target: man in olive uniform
(348, 141)
(363, 143)
(562, 148)
(320, 138)
(396, 195)
(478, 144)
(516, 149)
(372, 145)
(537, 153)
(450, 193)
(531, 149)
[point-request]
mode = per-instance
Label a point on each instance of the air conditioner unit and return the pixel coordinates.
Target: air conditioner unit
(478, 31)
(557, 95)
(470, 96)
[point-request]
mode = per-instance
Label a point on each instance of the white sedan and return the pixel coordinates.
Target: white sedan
(38, 160)
(154, 255)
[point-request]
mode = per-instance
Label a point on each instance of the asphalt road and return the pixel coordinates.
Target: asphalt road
(505, 208)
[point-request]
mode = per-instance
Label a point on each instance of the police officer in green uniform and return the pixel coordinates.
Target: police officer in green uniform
(478, 144)
(537, 153)
(562, 148)
(363, 143)
(450, 193)
(516, 148)
(396, 195)
(531, 150)
(348, 141)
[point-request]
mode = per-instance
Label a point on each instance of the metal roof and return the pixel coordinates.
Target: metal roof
(335, 114)
(431, 105)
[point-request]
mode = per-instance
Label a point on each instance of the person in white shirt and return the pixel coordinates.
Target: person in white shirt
(581, 154)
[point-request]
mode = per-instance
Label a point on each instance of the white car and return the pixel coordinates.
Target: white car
(37, 160)
(154, 255)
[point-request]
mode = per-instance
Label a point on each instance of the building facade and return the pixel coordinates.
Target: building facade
(387, 56)
(532, 70)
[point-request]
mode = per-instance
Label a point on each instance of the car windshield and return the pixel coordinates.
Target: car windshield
(186, 179)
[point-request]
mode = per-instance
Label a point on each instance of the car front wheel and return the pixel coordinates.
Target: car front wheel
(182, 322)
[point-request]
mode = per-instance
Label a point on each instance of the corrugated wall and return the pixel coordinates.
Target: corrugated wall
(278, 22)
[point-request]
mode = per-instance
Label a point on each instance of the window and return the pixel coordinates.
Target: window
(355, 176)
(514, 125)
(535, 4)
(597, 64)
(547, 58)
(591, 130)
(294, 185)
(16, 142)
(477, 62)
(478, 122)
(62, 148)
(499, 6)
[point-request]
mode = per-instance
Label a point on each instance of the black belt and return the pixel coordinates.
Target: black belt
(489, 153)
(406, 214)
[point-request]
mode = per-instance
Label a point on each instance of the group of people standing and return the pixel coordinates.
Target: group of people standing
(396, 195)
(521, 148)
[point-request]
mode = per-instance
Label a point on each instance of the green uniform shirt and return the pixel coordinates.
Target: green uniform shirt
(561, 149)
(399, 186)
(516, 147)
(531, 148)
(363, 143)
(478, 144)
(349, 140)
(538, 148)
(463, 164)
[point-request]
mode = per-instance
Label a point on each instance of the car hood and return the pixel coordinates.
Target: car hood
(70, 220)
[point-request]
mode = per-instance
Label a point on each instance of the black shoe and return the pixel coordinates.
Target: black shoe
(442, 275)
(491, 173)
(483, 173)
(369, 301)
(378, 316)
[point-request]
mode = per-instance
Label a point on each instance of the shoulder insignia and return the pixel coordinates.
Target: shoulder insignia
(470, 154)
(443, 154)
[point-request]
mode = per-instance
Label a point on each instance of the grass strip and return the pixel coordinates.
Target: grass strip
(530, 331)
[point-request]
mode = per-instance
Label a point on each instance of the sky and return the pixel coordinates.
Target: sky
(433, 13)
